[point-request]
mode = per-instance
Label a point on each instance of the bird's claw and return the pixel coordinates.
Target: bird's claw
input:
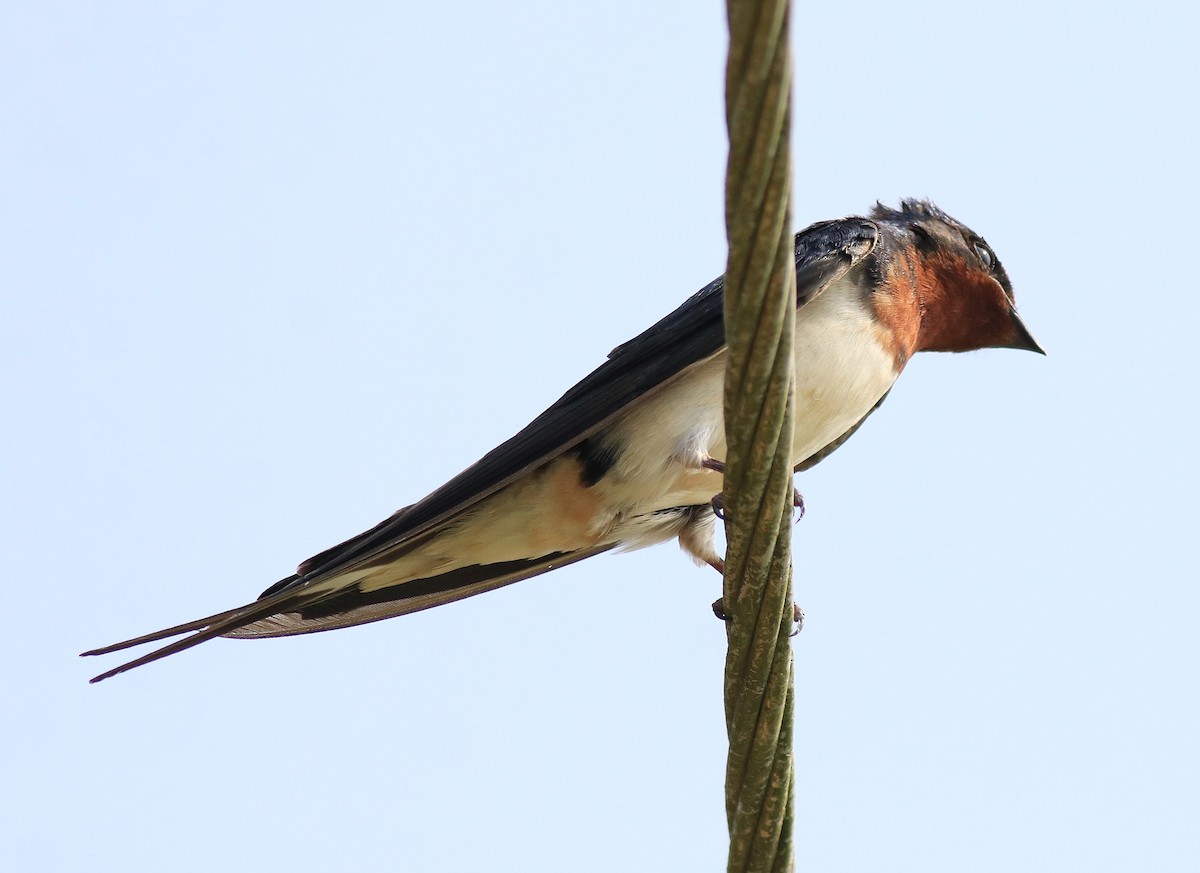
(718, 608)
(718, 505)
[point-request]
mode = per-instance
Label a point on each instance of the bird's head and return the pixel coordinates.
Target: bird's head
(965, 297)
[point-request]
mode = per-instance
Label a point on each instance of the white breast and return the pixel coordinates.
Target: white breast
(842, 370)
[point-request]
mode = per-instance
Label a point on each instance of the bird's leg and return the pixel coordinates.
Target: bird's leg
(718, 507)
(718, 501)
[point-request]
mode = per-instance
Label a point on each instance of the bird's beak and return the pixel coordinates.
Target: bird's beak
(1022, 338)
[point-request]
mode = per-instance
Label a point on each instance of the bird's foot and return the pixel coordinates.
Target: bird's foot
(718, 505)
(718, 609)
(718, 502)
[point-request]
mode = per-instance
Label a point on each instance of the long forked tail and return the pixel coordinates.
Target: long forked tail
(295, 607)
(206, 628)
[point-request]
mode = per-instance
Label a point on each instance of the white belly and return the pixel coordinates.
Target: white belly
(842, 369)
(841, 372)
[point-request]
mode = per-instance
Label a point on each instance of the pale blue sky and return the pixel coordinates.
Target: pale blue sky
(270, 271)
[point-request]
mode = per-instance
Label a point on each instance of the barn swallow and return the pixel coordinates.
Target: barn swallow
(633, 454)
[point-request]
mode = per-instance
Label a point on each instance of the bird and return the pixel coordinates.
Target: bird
(633, 454)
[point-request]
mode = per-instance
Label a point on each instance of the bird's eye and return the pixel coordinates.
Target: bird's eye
(985, 255)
